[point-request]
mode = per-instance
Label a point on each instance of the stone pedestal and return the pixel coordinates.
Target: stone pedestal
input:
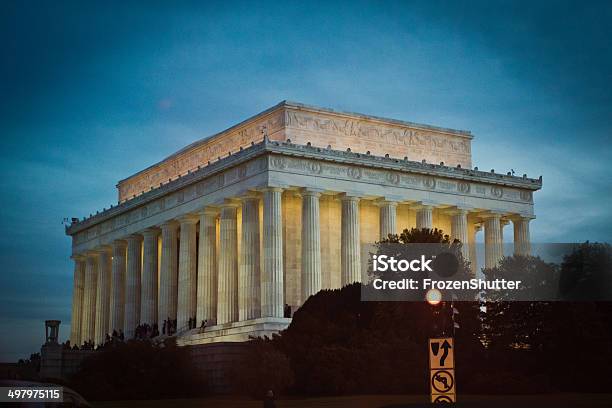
(234, 331)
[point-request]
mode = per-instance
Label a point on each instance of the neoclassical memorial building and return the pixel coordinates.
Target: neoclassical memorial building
(234, 227)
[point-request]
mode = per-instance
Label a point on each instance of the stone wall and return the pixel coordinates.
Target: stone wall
(58, 362)
(216, 363)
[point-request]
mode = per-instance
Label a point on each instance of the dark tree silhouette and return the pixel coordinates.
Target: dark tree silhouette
(138, 370)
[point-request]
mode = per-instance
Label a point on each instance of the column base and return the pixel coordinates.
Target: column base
(234, 331)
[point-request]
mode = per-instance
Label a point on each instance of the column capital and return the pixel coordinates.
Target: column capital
(311, 192)
(386, 203)
(169, 225)
(521, 217)
(209, 211)
(491, 215)
(423, 205)
(229, 203)
(151, 231)
(79, 257)
(92, 254)
(350, 197)
(119, 244)
(249, 195)
(188, 219)
(271, 188)
(133, 237)
(104, 249)
(458, 211)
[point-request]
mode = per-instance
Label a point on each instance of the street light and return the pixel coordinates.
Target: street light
(433, 297)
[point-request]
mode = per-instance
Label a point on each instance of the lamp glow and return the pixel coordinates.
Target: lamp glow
(433, 297)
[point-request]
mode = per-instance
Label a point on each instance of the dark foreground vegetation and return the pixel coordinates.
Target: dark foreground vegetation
(339, 345)
(138, 369)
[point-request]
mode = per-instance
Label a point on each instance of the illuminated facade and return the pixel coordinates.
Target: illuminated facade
(234, 227)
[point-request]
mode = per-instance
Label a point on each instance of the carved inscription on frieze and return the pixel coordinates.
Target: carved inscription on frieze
(380, 138)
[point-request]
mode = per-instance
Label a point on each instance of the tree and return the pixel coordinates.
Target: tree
(263, 368)
(586, 273)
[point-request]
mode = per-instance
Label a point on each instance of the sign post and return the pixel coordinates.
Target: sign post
(442, 370)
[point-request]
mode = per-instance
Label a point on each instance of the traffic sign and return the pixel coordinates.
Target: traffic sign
(442, 370)
(442, 381)
(443, 398)
(441, 353)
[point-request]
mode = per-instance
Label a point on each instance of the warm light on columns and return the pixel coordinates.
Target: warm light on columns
(350, 245)
(187, 277)
(388, 218)
(493, 240)
(311, 244)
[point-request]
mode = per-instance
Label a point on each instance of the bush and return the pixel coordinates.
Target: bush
(138, 370)
(263, 368)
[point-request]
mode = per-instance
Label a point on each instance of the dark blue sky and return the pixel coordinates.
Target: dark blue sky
(92, 94)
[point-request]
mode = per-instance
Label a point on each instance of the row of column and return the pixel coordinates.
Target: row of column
(112, 295)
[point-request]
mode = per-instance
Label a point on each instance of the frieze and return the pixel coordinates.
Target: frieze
(393, 177)
(354, 172)
(297, 159)
(380, 138)
(417, 181)
(429, 182)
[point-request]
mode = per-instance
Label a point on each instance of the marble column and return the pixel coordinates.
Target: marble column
(388, 218)
(117, 296)
(424, 217)
(148, 289)
(168, 274)
(77, 299)
(132, 285)
(350, 241)
(522, 241)
(227, 295)
(207, 268)
(459, 230)
(311, 244)
(473, 246)
(272, 296)
(103, 295)
(88, 322)
(493, 240)
(249, 276)
(187, 274)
